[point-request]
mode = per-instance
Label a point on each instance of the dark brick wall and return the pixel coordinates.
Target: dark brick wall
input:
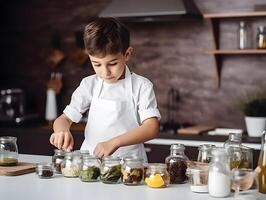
(171, 54)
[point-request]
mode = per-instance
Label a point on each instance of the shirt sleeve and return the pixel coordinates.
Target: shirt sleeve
(80, 101)
(147, 104)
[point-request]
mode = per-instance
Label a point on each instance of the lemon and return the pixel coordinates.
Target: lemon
(155, 181)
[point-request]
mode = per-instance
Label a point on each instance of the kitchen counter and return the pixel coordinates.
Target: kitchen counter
(30, 186)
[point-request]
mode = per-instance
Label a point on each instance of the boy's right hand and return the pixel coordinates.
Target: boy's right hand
(62, 140)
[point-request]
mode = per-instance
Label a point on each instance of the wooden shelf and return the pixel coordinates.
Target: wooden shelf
(235, 15)
(237, 51)
(214, 19)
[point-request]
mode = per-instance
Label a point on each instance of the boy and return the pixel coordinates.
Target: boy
(122, 106)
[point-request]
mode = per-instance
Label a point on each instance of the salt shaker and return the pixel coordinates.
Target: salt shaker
(219, 174)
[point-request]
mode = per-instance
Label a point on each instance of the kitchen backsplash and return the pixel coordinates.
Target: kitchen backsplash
(171, 54)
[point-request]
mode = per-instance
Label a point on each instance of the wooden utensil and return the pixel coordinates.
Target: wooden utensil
(19, 169)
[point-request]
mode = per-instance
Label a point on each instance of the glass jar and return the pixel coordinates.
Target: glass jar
(261, 38)
(111, 169)
(205, 153)
(57, 159)
(219, 174)
(198, 177)
(8, 151)
(90, 168)
(132, 171)
(239, 156)
(262, 165)
(70, 165)
(177, 164)
(157, 175)
(44, 170)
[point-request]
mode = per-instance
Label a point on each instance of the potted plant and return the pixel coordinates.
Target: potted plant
(254, 108)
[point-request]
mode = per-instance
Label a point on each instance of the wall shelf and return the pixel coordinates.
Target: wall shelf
(237, 51)
(218, 53)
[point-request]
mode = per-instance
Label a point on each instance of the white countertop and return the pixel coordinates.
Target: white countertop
(31, 187)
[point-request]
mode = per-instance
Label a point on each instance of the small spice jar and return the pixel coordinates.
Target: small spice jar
(57, 159)
(44, 170)
(157, 175)
(177, 164)
(205, 152)
(111, 169)
(70, 165)
(90, 168)
(132, 171)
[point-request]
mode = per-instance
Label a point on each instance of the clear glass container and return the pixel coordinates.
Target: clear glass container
(70, 165)
(8, 151)
(177, 164)
(57, 159)
(111, 170)
(240, 156)
(157, 175)
(261, 38)
(205, 153)
(90, 168)
(242, 36)
(132, 171)
(262, 165)
(44, 170)
(198, 177)
(219, 182)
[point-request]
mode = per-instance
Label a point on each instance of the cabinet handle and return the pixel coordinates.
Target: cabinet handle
(147, 149)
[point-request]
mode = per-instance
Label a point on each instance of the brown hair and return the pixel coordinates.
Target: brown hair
(106, 36)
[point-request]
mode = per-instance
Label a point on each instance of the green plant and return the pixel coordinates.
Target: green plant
(254, 105)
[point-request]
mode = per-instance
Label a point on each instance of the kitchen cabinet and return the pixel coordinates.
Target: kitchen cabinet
(218, 53)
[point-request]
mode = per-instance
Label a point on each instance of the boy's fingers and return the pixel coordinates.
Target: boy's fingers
(66, 141)
(60, 141)
(52, 139)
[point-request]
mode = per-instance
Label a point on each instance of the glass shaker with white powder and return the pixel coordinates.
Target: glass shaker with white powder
(219, 174)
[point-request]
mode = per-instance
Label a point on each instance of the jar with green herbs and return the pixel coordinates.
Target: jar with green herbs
(132, 171)
(8, 151)
(90, 168)
(70, 165)
(111, 169)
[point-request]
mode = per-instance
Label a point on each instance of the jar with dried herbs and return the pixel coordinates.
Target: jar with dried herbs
(157, 175)
(111, 169)
(177, 164)
(57, 159)
(70, 165)
(90, 168)
(132, 171)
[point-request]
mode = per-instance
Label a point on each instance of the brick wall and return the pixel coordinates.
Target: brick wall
(171, 54)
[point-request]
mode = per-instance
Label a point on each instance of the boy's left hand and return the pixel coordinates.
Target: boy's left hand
(106, 148)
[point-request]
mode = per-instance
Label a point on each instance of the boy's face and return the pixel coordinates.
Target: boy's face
(110, 67)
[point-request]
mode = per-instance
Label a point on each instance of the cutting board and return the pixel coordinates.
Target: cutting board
(195, 130)
(19, 169)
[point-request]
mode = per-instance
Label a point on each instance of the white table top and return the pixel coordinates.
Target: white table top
(31, 187)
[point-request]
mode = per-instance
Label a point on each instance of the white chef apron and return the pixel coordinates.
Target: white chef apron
(111, 118)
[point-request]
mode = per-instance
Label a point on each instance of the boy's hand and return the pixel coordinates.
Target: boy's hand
(62, 140)
(106, 148)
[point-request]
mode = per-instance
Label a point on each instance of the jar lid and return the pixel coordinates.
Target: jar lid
(111, 158)
(88, 156)
(132, 158)
(44, 165)
(59, 151)
(207, 146)
(177, 146)
(8, 138)
(155, 166)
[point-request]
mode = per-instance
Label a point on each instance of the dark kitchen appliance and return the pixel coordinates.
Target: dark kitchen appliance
(12, 107)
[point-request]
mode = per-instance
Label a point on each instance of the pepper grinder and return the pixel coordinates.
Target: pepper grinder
(51, 106)
(242, 36)
(261, 38)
